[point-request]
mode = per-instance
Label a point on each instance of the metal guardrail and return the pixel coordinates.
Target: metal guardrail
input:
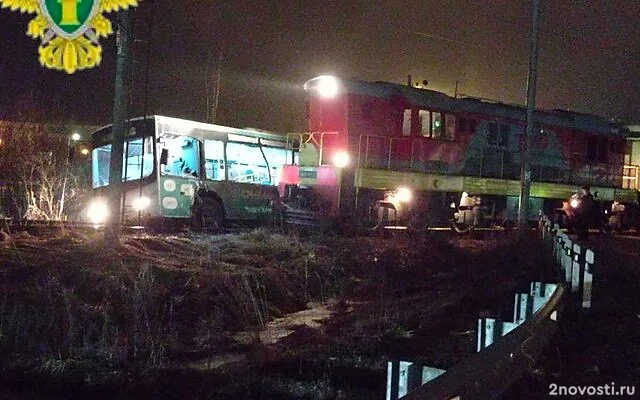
(488, 373)
(576, 263)
(499, 364)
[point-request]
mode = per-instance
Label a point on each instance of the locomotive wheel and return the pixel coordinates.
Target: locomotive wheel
(207, 216)
(460, 228)
(418, 223)
(606, 229)
(277, 217)
(582, 233)
(370, 221)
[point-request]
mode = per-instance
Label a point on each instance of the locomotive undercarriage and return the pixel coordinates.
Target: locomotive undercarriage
(371, 209)
(578, 217)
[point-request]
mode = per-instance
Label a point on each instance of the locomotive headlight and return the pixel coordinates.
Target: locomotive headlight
(141, 203)
(575, 203)
(341, 159)
(98, 212)
(403, 195)
(325, 86)
(399, 196)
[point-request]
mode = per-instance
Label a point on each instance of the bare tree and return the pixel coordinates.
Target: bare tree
(35, 173)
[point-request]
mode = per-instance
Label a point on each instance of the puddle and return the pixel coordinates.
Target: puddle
(279, 328)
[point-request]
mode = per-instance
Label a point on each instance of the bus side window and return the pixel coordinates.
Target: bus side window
(214, 169)
(179, 156)
(214, 159)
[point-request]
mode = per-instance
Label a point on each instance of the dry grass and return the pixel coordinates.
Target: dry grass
(69, 298)
(73, 308)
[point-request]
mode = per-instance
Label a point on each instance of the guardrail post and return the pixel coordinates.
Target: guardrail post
(526, 304)
(577, 267)
(587, 285)
(393, 379)
(566, 258)
(523, 307)
(404, 376)
(490, 330)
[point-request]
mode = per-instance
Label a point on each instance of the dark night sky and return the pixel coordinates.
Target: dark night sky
(589, 57)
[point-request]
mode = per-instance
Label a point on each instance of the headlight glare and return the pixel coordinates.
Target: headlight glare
(341, 159)
(403, 195)
(98, 212)
(141, 203)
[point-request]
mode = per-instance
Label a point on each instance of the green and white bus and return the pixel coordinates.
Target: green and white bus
(180, 170)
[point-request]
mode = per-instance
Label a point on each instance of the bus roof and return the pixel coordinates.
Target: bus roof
(207, 131)
(217, 129)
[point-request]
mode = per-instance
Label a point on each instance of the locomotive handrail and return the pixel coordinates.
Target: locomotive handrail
(390, 140)
(592, 174)
(630, 181)
(310, 137)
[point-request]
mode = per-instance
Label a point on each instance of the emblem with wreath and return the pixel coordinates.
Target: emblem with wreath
(69, 30)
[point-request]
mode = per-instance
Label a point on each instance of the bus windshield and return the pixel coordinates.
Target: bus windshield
(137, 161)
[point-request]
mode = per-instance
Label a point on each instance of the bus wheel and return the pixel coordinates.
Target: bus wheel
(207, 216)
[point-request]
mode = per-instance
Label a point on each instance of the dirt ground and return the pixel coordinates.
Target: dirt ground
(257, 315)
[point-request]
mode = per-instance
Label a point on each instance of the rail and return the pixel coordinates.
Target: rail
(506, 350)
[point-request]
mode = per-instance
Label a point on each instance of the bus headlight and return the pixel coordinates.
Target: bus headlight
(141, 203)
(341, 159)
(98, 212)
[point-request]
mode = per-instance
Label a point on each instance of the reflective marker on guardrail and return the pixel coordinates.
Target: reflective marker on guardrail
(587, 285)
(490, 330)
(576, 262)
(526, 304)
(404, 376)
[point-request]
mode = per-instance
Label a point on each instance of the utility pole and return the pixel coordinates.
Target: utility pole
(121, 94)
(212, 109)
(525, 167)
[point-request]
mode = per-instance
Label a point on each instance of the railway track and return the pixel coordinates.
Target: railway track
(48, 227)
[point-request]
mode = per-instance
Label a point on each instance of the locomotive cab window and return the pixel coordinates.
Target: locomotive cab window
(425, 123)
(436, 125)
(498, 134)
(467, 125)
(450, 127)
(406, 122)
(597, 149)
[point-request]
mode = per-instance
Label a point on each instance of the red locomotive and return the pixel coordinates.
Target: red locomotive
(385, 153)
